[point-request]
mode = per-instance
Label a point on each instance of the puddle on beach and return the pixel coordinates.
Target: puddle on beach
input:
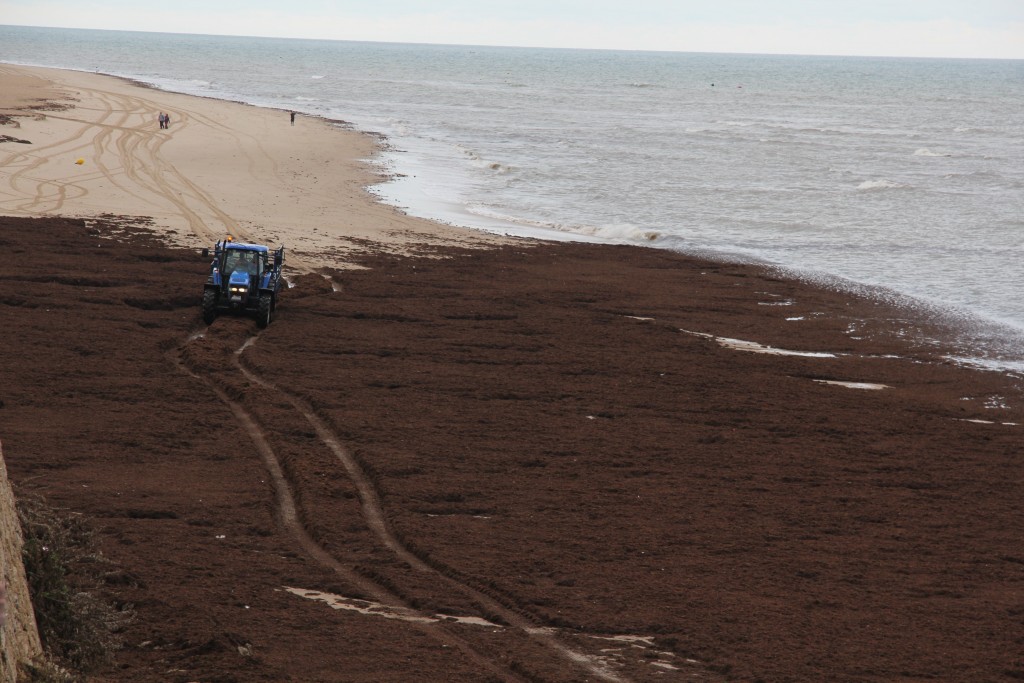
(994, 402)
(779, 300)
(646, 640)
(541, 630)
(668, 661)
(854, 385)
(610, 656)
(248, 342)
(335, 287)
(377, 609)
(754, 347)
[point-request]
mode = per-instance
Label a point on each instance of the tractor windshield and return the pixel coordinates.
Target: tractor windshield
(245, 261)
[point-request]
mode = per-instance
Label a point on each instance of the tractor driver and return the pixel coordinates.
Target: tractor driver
(244, 261)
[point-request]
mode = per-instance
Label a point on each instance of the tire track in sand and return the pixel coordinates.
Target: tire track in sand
(373, 513)
(119, 129)
(288, 516)
(119, 138)
(138, 150)
(31, 160)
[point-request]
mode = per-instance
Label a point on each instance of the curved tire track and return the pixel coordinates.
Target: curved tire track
(118, 136)
(287, 513)
(373, 513)
(120, 129)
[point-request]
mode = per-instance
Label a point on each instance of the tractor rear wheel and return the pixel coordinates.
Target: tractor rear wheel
(264, 313)
(209, 306)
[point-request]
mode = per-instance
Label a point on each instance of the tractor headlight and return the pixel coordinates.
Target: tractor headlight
(237, 290)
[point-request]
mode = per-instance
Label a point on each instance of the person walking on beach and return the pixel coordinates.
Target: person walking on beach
(160, 118)
(293, 118)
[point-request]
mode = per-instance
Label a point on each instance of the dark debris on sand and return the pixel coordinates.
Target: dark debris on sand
(554, 433)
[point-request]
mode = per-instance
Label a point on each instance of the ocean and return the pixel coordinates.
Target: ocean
(902, 178)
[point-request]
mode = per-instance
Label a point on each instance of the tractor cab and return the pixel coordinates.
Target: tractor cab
(243, 268)
(242, 279)
(248, 261)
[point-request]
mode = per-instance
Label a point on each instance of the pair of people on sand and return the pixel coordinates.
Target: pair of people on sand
(165, 120)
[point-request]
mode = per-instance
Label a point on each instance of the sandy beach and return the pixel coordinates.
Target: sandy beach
(455, 457)
(219, 168)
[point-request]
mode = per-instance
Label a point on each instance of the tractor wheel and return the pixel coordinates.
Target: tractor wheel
(264, 313)
(209, 306)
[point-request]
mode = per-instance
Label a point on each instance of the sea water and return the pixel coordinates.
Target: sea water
(903, 176)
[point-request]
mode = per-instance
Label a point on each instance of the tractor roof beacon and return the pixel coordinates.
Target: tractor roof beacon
(243, 278)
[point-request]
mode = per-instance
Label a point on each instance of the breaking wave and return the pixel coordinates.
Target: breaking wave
(881, 184)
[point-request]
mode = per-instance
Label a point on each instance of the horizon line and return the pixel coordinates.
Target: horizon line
(517, 47)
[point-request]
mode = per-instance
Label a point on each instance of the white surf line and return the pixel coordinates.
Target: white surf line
(377, 609)
(988, 422)
(373, 514)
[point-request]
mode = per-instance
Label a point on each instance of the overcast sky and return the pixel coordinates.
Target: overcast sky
(922, 28)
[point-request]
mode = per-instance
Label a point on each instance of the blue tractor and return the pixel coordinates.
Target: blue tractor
(242, 279)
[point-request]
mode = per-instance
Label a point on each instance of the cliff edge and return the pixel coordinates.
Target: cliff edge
(19, 637)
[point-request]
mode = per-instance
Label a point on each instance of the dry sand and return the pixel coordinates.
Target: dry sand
(220, 168)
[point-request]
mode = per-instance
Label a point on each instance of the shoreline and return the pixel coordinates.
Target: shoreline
(724, 204)
(293, 200)
(221, 167)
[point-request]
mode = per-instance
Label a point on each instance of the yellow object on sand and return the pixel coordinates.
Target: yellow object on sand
(80, 161)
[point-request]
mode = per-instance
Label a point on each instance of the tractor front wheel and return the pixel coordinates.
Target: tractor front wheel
(264, 313)
(209, 306)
